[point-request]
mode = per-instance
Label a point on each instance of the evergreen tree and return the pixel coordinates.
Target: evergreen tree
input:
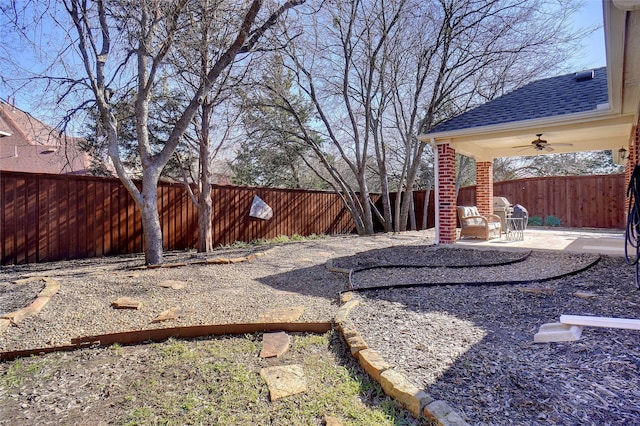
(274, 152)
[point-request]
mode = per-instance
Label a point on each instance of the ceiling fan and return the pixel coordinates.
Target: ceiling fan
(542, 145)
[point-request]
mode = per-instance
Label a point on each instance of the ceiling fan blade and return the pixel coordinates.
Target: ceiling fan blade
(560, 144)
(547, 148)
(523, 146)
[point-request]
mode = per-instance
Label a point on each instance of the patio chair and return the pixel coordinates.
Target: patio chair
(474, 225)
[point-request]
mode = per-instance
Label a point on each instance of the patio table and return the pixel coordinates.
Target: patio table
(515, 229)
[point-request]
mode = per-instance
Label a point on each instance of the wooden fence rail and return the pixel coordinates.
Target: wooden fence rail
(46, 218)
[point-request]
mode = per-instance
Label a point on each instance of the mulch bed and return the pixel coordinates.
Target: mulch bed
(472, 345)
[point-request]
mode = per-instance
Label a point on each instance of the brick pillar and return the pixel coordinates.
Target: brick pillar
(634, 155)
(446, 202)
(634, 141)
(484, 187)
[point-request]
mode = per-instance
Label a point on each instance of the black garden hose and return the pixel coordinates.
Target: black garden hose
(351, 287)
(632, 231)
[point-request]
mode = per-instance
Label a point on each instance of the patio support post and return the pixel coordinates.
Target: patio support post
(484, 187)
(634, 141)
(632, 160)
(446, 193)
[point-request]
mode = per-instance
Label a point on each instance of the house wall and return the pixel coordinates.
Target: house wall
(34, 147)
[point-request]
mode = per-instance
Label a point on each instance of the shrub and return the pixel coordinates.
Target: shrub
(535, 221)
(552, 221)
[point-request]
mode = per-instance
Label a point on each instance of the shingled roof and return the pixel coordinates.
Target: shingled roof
(29, 145)
(550, 97)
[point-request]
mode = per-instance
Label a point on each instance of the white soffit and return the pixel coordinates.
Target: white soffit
(596, 133)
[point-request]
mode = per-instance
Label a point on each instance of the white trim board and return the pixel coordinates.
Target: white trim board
(624, 323)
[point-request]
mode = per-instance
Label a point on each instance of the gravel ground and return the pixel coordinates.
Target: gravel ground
(292, 274)
(471, 345)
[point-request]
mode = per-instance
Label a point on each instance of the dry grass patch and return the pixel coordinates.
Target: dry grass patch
(212, 381)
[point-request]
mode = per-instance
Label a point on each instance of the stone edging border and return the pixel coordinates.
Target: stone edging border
(393, 383)
(51, 287)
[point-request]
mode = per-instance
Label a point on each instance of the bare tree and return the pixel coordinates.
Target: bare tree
(123, 48)
(380, 73)
(198, 51)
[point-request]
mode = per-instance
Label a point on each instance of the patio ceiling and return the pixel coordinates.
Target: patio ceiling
(607, 125)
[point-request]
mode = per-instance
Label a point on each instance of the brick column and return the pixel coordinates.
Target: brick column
(634, 141)
(446, 202)
(634, 155)
(484, 187)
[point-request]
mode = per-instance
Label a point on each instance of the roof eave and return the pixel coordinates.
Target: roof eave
(523, 126)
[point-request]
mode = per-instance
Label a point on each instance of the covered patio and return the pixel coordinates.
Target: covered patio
(583, 111)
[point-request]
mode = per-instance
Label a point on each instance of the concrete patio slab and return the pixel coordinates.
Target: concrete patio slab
(607, 242)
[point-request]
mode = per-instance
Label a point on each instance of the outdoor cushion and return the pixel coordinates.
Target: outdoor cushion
(472, 221)
(474, 225)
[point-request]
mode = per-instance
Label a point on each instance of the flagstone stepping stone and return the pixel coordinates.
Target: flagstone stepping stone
(284, 380)
(126, 303)
(172, 314)
(218, 261)
(40, 299)
(176, 285)
(585, 294)
(332, 421)
(274, 344)
(289, 314)
(174, 265)
(4, 324)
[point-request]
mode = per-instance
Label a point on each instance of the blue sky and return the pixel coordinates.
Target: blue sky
(592, 54)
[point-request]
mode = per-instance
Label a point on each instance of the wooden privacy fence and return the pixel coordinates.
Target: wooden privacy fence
(578, 201)
(55, 217)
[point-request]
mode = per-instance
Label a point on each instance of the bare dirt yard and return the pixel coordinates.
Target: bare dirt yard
(458, 322)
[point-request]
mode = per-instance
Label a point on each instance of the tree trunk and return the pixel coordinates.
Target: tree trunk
(412, 213)
(205, 212)
(386, 201)
(367, 213)
(205, 204)
(410, 182)
(152, 230)
(425, 207)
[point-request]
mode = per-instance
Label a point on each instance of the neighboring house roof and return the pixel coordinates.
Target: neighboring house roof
(33, 146)
(550, 97)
